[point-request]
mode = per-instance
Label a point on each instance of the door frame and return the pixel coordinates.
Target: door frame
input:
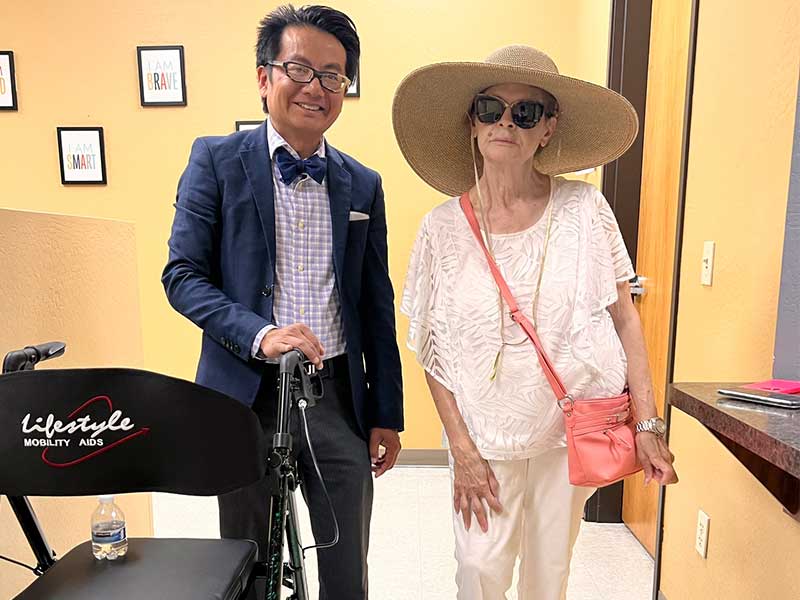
(628, 60)
(673, 324)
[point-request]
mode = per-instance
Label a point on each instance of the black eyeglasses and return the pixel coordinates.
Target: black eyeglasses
(524, 113)
(300, 73)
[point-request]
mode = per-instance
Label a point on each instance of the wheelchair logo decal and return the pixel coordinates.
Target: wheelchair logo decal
(58, 434)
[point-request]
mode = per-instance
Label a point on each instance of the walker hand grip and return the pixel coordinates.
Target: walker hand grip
(29, 356)
(296, 365)
(291, 360)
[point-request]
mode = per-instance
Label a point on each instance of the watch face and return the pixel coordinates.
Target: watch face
(659, 426)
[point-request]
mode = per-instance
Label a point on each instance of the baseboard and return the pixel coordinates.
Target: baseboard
(415, 457)
(661, 595)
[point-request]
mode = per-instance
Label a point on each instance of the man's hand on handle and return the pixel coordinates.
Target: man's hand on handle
(297, 336)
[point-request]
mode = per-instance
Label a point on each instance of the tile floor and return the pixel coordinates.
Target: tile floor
(411, 548)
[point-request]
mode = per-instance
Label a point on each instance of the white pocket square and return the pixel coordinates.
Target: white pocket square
(358, 216)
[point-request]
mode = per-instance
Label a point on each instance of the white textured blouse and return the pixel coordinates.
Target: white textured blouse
(452, 303)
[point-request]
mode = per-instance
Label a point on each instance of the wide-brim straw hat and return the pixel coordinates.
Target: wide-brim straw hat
(595, 125)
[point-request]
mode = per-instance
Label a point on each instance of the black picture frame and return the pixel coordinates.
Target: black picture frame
(245, 125)
(65, 180)
(354, 90)
(10, 80)
(141, 51)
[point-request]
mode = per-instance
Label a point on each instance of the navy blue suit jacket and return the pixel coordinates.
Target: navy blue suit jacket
(221, 270)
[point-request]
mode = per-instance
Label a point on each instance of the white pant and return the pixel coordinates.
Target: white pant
(539, 524)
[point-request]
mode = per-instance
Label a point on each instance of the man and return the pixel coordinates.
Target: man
(279, 242)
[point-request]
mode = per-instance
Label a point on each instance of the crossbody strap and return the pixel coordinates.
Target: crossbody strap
(516, 314)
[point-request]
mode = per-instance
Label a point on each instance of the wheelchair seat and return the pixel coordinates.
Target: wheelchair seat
(153, 569)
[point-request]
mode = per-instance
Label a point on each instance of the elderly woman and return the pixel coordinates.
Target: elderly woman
(499, 131)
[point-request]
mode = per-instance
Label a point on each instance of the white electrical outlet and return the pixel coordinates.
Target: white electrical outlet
(707, 268)
(701, 536)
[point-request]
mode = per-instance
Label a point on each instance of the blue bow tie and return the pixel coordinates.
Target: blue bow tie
(291, 168)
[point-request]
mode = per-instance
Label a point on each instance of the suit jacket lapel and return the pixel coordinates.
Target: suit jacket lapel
(339, 192)
(258, 168)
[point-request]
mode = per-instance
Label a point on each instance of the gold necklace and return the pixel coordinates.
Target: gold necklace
(535, 301)
(488, 242)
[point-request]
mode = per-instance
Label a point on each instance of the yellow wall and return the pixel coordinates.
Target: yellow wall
(741, 141)
(70, 279)
(753, 546)
(745, 94)
(76, 65)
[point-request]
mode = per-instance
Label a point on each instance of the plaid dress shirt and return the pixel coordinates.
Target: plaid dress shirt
(305, 284)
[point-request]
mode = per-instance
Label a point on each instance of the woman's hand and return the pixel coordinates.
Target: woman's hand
(656, 459)
(473, 479)
(473, 482)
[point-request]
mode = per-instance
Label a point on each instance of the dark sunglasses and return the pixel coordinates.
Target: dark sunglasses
(524, 113)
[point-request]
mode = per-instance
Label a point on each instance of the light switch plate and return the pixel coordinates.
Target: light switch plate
(707, 267)
(701, 537)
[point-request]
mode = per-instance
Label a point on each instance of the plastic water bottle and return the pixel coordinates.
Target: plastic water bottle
(109, 539)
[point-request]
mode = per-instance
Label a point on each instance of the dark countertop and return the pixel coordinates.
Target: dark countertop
(771, 433)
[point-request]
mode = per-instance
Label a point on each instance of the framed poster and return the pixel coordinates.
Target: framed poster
(162, 75)
(8, 83)
(354, 89)
(245, 125)
(81, 155)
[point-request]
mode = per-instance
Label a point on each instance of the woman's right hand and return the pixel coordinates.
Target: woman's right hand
(473, 482)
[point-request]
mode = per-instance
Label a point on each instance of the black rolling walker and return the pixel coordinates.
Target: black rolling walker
(298, 386)
(150, 445)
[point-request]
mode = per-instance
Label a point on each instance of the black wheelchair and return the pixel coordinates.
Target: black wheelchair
(76, 432)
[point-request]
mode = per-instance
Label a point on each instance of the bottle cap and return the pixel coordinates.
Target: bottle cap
(106, 498)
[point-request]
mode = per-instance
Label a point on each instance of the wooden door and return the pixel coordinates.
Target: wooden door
(664, 138)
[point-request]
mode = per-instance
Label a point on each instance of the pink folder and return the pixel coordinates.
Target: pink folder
(783, 386)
